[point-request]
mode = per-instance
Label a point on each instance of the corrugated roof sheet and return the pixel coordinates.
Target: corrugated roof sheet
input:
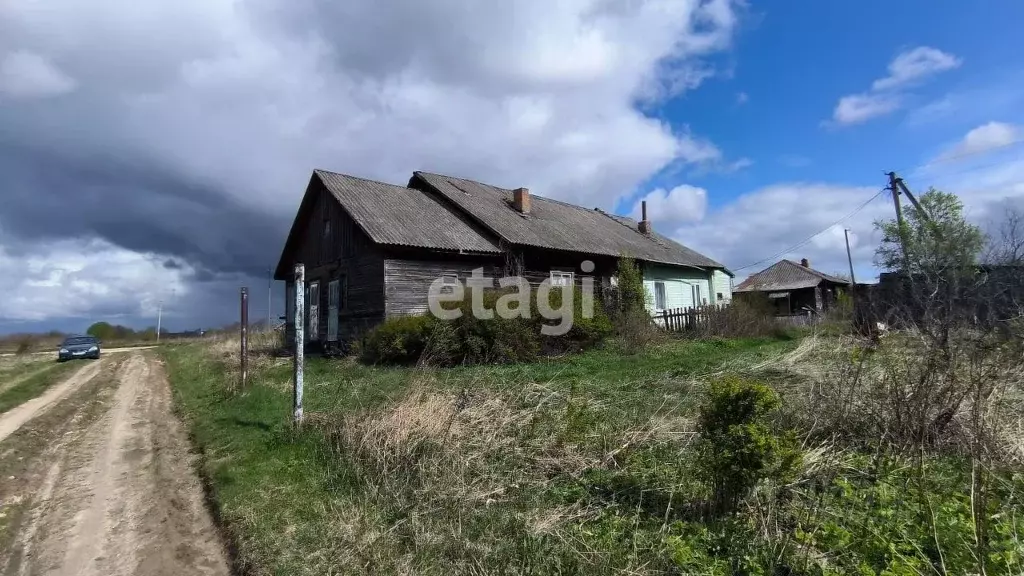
(561, 226)
(402, 216)
(785, 275)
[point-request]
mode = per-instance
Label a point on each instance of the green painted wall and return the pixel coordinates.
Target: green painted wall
(723, 285)
(679, 284)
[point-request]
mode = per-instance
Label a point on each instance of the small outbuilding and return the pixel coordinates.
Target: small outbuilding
(793, 288)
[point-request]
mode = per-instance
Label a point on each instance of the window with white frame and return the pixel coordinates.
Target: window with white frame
(659, 296)
(448, 282)
(561, 278)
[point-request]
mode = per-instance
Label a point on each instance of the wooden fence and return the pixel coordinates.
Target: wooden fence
(680, 319)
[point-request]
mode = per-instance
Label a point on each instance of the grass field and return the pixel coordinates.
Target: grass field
(582, 464)
(26, 380)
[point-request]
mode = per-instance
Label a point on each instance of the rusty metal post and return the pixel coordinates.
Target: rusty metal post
(299, 314)
(244, 329)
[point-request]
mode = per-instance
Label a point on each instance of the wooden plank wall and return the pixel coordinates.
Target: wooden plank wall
(341, 249)
(407, 280)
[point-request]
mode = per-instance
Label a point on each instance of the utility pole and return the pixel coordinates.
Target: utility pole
(270, 298)
(849, 258)
(894, 187)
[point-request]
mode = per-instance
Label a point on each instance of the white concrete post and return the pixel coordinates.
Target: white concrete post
(299, 315)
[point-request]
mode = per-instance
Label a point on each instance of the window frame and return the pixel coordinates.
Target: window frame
(333, 293)
(312, 332)
(664, 295)
(562, 276)
(448, 287)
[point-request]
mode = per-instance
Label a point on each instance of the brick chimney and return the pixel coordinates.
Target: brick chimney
(805, 262)
(521, 200)
(645, 224)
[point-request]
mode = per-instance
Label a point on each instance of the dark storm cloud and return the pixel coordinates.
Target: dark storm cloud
(48, 195)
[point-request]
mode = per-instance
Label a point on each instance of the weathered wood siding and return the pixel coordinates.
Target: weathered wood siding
(333, 246)
(407, 281)
(408, 276)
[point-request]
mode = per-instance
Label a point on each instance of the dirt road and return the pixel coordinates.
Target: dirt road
(105, 351)
(115, 493)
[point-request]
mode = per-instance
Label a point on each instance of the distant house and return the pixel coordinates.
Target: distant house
(371, 250)
(793, 288)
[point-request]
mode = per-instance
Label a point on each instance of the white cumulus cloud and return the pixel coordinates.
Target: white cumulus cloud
(684, 203)
(858, 108)
(984, 138)
(885, 95)
(914, 65)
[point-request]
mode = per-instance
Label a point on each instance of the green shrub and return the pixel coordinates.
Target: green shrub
(740, 447)
(584, 333)
(399, 340)
(632, 295)
(498, 340)
(471, 340)
(633, 325)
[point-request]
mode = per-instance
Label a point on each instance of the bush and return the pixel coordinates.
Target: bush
(740, 448)
(742, 318)
(471, 340)
(633, 323)
(585, 332)
(399, 340)
(24, 346)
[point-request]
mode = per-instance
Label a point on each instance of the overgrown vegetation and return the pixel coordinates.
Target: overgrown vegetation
(425, 339)
(717, 457)
(634, 328)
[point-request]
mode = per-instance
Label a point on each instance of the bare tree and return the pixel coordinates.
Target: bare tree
(1006, 245)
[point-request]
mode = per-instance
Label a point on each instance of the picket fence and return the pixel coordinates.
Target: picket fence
(679, 319)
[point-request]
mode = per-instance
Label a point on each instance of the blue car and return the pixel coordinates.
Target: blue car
(78, 347)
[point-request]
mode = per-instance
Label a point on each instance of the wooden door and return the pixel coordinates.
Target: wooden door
(333, 292)
(314, 311)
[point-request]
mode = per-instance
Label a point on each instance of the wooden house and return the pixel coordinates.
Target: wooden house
(371, 250)
(792, 288)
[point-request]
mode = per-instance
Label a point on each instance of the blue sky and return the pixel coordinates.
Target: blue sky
(183, 133)
(775, 92)
(796, 59)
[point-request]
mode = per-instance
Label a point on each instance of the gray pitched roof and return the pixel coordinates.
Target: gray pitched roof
(402, 216)
(785, 275)
(560, 226)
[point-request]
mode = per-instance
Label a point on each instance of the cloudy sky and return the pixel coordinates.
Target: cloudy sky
(157, 151)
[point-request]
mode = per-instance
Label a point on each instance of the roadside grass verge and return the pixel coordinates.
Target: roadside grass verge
(293, 504)
(15, 367)
(34, 384)
(589, 463)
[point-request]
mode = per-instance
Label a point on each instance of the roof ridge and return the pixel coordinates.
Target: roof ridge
(342, 174)
(817, 273)
(532, 195)
(439, 175)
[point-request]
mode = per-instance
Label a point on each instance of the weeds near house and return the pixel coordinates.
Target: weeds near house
(719, 456)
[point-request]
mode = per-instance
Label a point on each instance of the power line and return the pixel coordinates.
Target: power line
(812, 236)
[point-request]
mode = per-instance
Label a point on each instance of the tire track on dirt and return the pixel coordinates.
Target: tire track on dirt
(127, 501)
(16, 417)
